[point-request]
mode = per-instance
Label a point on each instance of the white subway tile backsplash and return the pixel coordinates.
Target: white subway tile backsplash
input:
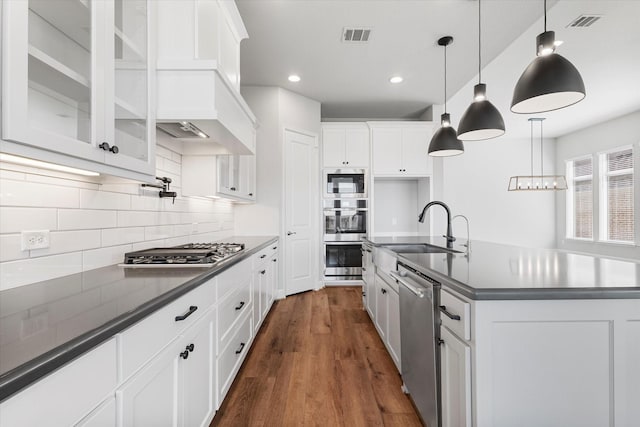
(94, 222)
(23, 193)
(91, 199)
(15, 220)
(10, 248)
(159, 232)
(69, 241)
(103, 257)
(77, 219)
(136, 219)
(31, 270)
(120, 236)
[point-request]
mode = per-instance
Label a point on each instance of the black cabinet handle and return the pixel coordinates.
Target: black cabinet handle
(238, 351)
(263, 271)
(106, 147)
(440, 341)
(263, 256)
(364, 269)
(192, 310)
(232, 188)
(185, 354)
(274, 248)
(250, 194)
(190, 347)
(240, 305)
(275, 260)
(451, 316)
(384, 291)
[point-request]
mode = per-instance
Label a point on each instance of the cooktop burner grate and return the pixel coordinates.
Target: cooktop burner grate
(192, 254)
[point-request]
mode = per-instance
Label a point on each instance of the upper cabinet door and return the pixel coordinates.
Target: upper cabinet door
(130, 118)
(52, 83)
(387, 151)
(333, 152)
(415, 147)
(357, 147)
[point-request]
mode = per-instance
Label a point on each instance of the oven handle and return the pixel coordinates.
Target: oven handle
(346, 209)
(344, 242)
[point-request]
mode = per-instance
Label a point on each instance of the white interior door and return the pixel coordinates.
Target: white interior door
(301, 206)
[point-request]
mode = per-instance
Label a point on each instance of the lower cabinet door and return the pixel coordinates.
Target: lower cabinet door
(231, 357)
(455, 365)
(197, 374)
(382, 304)
(393, 331)
(150, 397)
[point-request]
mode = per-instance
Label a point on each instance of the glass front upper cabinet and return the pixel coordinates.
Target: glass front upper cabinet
(62, 74)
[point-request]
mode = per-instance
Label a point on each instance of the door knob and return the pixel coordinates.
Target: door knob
(289, 233)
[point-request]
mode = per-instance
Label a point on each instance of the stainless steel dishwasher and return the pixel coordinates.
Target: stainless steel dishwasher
(419, 333)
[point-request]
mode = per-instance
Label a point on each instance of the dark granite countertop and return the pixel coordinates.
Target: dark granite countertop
(47, 324)
(493, 271)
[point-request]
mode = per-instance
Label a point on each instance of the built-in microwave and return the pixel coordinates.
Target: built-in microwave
(341, 183)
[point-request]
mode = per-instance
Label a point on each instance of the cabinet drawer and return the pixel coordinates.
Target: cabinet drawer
(232, 356)
(231, 279)
(451, 308)
(65, 396)
(147, 337)
(264, 255)
(230, 310)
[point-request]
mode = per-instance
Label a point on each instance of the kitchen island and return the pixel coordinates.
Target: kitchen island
(534, 336)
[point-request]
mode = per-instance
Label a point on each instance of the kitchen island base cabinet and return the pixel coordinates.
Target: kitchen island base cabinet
(559, 362)
(175, 388)
(387, 317)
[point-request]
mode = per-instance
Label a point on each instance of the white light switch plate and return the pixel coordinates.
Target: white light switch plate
(34, 239)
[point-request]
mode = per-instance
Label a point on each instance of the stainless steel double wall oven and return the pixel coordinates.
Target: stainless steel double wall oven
(345, 216)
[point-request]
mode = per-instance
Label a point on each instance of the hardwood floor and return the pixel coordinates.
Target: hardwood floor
(318, 361)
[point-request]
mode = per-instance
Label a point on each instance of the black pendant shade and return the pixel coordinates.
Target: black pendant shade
(445, 142)
(481, 120)
(549, 83)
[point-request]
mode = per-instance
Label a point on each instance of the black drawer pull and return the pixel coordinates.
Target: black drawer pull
(384, 291)
(263, 271)
(192, 309)
(275, 260)
(185, 354)
(263, 256)
(364, 269)
(190, 347)
(240, 306)
(451, 316)
(440, 341)
(238, 351)
(274, 248)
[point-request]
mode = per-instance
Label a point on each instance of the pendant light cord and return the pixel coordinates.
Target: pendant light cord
(545, 16)
(479, 46)
(541, 154)
(445, 78)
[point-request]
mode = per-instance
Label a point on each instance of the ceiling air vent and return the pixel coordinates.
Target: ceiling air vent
(584, 21)
(355, 35)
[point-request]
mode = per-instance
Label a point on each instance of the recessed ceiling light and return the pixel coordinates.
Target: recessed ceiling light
(396, 79)
(294, 78)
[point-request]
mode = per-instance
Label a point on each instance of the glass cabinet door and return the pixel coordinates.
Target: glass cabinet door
(130, 119)
(49, 90)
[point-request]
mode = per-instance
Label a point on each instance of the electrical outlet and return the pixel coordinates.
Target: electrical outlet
(35, 239)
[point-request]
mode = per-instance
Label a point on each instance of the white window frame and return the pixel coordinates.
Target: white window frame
(603, 207)
(570, 214)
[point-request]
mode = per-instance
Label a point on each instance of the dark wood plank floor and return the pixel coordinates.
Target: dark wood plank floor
(318, 361)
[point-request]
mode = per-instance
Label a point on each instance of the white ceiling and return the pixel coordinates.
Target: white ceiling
(351, 81)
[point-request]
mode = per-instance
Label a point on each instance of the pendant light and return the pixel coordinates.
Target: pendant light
(550, 82)
(481, 120)
(540, 182)
(445, 142)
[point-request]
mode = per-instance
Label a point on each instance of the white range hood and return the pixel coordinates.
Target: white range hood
(198, 77)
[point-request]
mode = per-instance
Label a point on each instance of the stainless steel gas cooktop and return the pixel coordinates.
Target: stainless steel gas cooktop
(190, 255)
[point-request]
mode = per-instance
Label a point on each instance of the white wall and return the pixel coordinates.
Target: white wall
(475, 184)
(92, 224)
(624, 130)
(396, 205)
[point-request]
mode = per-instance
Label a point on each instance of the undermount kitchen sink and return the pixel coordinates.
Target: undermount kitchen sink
(420, 248)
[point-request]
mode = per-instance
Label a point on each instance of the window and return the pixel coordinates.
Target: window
(616, 195)
(580, 198)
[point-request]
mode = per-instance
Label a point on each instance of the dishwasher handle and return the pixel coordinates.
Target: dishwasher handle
(420, 293)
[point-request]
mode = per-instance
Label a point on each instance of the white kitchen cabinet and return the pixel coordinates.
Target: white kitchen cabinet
(175, 387)
(455, 365)
(79, 79)
(345, 145)
(260, 284)
(66, 395)
(368, 278)
(272, 284)
(103, 416)
(231, 357)
(265, 277)
(386, 317)
(401, 149)
(381, 313)
(228, 176)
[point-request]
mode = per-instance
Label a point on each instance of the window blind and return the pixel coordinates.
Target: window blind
(619, 197)
(582, 187)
